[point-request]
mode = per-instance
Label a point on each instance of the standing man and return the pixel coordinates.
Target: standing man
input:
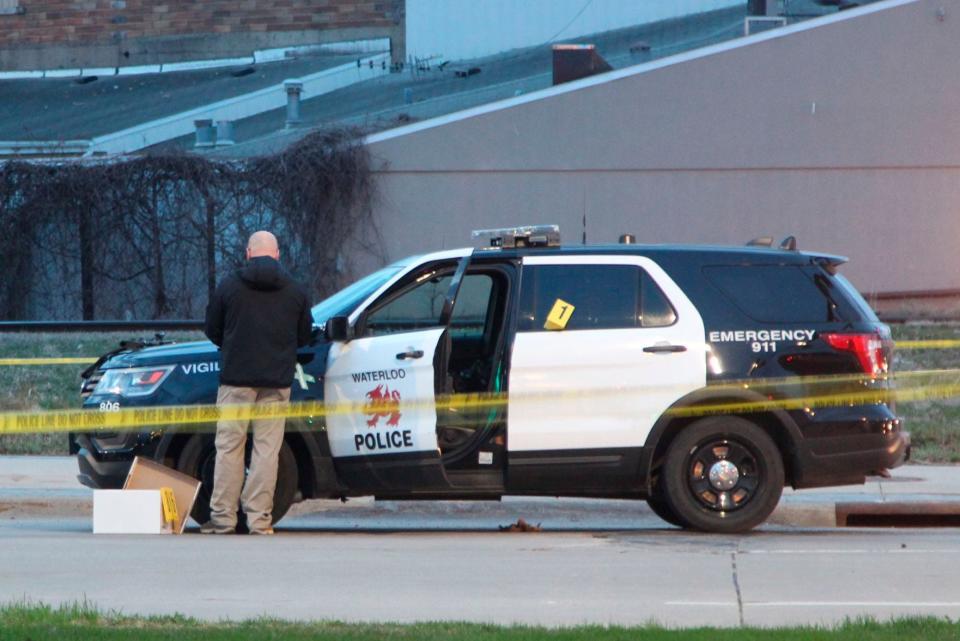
(258, 317)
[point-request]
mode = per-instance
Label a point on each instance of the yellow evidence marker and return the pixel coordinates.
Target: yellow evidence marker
(169, 502)
(559, 315)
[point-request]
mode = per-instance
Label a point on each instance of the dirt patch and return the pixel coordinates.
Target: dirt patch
(46, 508)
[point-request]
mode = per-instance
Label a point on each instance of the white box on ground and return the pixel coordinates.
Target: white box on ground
(128, 512)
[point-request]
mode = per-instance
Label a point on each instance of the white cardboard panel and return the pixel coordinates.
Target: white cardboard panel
(127, 512)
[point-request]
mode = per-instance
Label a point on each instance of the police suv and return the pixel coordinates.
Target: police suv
(687, 376)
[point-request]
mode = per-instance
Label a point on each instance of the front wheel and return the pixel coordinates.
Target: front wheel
(198, 459)
(722, 474)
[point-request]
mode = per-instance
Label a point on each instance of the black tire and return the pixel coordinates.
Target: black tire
(662, 509)
(747, 478)
(198, 459)
(658, 503)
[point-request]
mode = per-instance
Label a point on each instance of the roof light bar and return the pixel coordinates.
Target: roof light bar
(525, 236)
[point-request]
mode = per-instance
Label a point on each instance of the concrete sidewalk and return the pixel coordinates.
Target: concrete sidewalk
(912, 490)
(46, 486)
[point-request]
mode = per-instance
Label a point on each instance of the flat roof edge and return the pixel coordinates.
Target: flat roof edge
(635, 70)
(235, 107)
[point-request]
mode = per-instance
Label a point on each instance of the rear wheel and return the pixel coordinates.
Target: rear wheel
(198, 459)
(722, 474)
(660, 507)
(658, 504)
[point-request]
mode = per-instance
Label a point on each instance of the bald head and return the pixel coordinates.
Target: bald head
(263, 243)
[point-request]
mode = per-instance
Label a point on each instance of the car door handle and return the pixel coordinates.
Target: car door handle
(665, 349)
(416, 353)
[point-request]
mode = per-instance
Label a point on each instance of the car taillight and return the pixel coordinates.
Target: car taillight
(869, 349)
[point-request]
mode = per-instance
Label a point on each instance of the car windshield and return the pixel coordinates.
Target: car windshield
(347, 299)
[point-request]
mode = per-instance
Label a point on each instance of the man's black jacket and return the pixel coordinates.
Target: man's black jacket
(259, 316)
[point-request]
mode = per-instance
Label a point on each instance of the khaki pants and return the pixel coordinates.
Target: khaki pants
(261, 483)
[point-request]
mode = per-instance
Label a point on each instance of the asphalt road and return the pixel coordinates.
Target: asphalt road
(310, 570)
(596, 561)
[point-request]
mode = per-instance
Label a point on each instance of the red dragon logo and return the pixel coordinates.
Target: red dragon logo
(383, 404)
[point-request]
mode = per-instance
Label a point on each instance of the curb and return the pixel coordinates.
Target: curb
(814, 515)
(41, 504)
(800, 514)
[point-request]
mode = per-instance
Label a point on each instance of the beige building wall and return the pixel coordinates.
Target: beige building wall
(843, 131)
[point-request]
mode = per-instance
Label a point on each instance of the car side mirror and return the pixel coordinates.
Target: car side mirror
(337, 329)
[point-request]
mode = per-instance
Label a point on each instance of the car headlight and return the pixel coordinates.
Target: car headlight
(133, 381)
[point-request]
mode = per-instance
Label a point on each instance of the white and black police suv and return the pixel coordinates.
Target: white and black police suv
(676, 374)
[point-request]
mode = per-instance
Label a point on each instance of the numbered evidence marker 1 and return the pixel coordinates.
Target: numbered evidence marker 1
(559, 315)
(169, 502)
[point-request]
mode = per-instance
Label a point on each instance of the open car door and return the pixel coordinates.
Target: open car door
(381, 385)
(366, 381)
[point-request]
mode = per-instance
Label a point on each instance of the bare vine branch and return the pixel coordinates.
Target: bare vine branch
(149, 236)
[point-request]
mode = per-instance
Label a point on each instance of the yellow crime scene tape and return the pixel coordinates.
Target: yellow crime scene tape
(904, 387)
(929, 344)
(203, 416)
(48, 361)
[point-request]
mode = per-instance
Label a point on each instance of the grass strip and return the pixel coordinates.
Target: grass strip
(52, 387)
(23, 622)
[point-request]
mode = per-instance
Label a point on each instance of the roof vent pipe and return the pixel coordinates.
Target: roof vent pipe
(225, 132)
(294, 88)
(205, 133)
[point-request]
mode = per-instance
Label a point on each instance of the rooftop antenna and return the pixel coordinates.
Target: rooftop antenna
(584, 216)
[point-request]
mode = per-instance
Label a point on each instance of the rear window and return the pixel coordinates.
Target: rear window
(775, 293)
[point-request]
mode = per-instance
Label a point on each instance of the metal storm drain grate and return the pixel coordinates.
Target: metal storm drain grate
(907, 514)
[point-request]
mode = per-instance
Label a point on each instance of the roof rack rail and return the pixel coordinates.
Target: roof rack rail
(762, 241)
(525, 236)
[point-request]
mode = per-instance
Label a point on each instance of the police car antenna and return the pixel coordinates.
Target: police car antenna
(584, 217)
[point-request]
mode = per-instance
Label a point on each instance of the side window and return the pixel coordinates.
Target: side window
(415, 309)
(600, 296)
(473, 302)
(656, 310)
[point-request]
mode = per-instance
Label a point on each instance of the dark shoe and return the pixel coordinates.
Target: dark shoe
(210, 528)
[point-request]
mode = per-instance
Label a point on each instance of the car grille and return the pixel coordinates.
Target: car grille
(89, 384)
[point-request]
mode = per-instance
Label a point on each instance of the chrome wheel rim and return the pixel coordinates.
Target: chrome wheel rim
(723, 475)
